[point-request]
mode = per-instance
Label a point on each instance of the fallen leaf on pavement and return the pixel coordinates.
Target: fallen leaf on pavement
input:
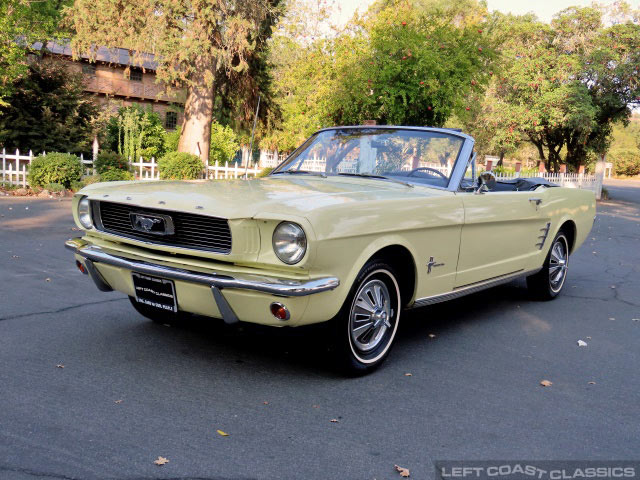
(432, 335)
(611, 318)
(118, 401)
(407, 374)
(404, 472)
(265, 403)
(592, 383)
(636, 319)
(161, 461)
(546, 383)
(334, 420)
(222, 434)
(60, 366)
(47, 279)
(582, 343)
(315, 406)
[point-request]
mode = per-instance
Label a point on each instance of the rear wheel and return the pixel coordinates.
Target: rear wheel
(548, 282)
(364, 330)
(155, 314)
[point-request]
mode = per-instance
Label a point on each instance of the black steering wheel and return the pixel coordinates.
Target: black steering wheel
(422, 169)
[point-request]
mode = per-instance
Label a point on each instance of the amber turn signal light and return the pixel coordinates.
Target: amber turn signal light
(81, 267)
(279, 311)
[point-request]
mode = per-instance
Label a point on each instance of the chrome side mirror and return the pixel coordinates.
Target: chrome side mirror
(486, 181)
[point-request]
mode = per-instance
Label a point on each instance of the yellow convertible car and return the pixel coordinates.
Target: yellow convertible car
(355, 226)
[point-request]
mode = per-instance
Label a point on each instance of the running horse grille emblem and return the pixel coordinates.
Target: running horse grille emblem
(153, 224)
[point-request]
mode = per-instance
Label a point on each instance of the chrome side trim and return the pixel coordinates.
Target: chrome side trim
(275, 286)
(472, 288)
(543, 238)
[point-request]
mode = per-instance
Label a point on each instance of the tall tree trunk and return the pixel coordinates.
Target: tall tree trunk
(501, 160)
(195, 136)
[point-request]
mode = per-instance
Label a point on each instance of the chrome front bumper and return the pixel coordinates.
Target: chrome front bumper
(275, 286)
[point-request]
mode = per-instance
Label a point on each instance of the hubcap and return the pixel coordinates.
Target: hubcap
(558, 264)
(371, 315)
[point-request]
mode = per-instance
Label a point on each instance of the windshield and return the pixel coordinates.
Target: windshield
(415, 156)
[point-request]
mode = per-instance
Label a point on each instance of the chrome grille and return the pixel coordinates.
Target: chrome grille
(197, 232)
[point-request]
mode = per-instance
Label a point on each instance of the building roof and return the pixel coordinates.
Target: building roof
(119, 56)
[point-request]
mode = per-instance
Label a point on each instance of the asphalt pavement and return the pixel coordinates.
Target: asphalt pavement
(89, 389)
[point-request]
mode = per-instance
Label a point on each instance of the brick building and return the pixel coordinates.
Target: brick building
(115, 80)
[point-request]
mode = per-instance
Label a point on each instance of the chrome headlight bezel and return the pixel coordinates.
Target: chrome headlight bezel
(289, 242)
(84, 213)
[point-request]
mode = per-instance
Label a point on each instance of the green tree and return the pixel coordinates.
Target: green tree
(563, 85)
(625, 147)
(48, 111)
(415, 63)
(408, 62)
(136, 132)
(23, 22)
(224, 144)
(198, 44)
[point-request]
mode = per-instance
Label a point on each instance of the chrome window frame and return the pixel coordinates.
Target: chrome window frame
(459, 166)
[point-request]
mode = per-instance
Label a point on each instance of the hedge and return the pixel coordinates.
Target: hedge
(180, 166)
(110, 161)
(59, 168)
(116, 175)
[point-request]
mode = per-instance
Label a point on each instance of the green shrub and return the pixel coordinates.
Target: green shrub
(110, 161)
(88, 180)
(55, 187)
(171, 139)
(59, 168)
(224, 144)
(626, 162)
(116, 176)
(77, 185)
(180, 166)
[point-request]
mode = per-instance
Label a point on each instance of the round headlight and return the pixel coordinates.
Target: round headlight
(289, 242)
(84, 213)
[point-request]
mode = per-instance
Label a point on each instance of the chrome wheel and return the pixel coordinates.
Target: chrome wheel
(558, 263)
(371, 315)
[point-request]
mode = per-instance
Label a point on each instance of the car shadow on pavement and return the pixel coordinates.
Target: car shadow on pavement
(303, 350)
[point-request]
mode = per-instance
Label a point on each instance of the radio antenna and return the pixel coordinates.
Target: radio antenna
(253, 131)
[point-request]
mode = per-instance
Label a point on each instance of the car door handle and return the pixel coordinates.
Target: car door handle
(537, 201)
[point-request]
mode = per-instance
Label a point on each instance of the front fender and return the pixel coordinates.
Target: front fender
(337, 257)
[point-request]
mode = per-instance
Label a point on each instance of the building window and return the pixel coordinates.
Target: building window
(171, 120)
(134, 75)
(89, 68)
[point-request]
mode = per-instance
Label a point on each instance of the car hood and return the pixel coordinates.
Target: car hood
(234, 199)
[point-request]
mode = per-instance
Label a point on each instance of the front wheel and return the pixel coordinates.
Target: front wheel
(548, 282)
(364, 329)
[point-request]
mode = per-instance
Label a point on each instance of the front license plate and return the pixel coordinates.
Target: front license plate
(155, 292)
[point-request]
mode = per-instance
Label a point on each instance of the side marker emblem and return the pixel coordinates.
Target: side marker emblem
(432, 263)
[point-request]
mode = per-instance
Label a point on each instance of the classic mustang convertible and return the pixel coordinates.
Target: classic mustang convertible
(355, 226)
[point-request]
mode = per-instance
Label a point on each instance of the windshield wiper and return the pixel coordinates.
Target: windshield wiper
(302, 172)
(381, 177)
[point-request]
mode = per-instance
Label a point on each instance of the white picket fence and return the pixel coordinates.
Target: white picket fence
(15, 169)
(271, 159)
(568, 180)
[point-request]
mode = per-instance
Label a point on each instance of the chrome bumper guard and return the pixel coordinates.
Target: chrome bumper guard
(217, 282)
